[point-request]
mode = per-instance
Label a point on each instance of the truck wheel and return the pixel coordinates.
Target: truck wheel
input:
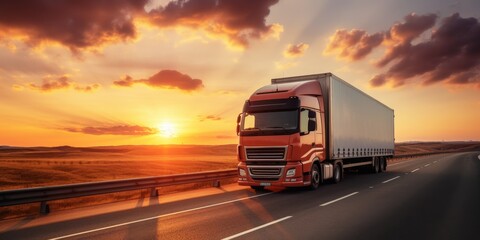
(315, 177)
(337, 173)
(383, 164)
(258, 188)
(376, 165)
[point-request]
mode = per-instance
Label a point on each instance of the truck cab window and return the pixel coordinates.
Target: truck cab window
(305, 116)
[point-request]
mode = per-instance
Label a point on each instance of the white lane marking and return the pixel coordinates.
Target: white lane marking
(435, 161)
(391, 179)
(426, 165)
(338, 199)
(414, 170)
(256, 228)
(478, 157)
(370, 187)
(159, 216)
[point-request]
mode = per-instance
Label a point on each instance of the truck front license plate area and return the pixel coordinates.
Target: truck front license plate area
(265, 184)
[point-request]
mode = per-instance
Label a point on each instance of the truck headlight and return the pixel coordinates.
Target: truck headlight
(291, 172)
(242, 172)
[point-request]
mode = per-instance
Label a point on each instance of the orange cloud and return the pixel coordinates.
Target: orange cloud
(50, 83)
(89, 24)
(295, 50)
(133, 130)
(169, 79)
(236, 21)
(74, 24)
(450, 55)
(354, 44)
(209, 117)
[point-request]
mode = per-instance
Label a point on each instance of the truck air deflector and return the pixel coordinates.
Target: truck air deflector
(271, 105)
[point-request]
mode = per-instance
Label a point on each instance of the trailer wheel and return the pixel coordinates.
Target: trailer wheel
(337, 173)
(315, 177)
(258, 188)
(376, 165)
(383, 164)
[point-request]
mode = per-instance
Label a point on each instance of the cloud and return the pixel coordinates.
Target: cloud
(449, 53)
(209, 117)
(412, 27)
(169, 79)
(236, 21)
(91, 24)
(52, 83)
(295, 50)
(133, 130)
(74, 24)
(352, 45)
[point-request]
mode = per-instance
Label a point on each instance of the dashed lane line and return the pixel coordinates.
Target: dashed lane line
(256, 228)
(414, 170)
(338, 199)
(391, 179)
(156, 217)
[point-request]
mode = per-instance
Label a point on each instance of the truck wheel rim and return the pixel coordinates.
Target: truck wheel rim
(316, 177)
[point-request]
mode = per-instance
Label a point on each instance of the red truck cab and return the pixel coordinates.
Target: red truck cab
(281, 133)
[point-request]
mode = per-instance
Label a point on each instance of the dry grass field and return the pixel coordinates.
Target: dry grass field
(34, 167)
(44, 166)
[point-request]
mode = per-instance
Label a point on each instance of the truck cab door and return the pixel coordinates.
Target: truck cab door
(308, 126)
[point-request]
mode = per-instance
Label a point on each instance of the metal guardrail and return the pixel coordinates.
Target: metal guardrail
(50, 193)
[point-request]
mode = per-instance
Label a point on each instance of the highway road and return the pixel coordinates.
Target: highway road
(432, 197)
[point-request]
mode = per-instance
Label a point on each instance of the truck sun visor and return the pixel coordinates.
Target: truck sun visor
(272, 105)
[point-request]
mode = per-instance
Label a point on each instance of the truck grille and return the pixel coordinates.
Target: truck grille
(265, 171)
(269, 153)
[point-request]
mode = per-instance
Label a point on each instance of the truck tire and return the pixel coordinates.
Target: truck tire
(337, 173)
(315, 177)
(258, 188)
(376, 165)
(383, 164)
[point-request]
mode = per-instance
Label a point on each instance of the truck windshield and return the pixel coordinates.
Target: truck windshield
(270, 123)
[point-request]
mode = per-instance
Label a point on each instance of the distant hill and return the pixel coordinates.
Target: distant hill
(184, 150)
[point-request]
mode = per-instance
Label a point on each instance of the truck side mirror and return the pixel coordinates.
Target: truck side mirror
(312, 125)
(239, 117)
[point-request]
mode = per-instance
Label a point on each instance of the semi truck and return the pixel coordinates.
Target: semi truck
(304, 130)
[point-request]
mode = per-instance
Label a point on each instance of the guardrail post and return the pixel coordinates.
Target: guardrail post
(216, 183)
(153, 192)
(44, 208)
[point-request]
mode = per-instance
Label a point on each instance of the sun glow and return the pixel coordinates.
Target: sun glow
(167, 130)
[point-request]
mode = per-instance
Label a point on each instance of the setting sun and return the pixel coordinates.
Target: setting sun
(167, 130)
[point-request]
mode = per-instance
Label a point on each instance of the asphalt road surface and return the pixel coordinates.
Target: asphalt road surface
(433, 197)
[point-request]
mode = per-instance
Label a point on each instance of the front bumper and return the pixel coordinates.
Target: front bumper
(282, 180)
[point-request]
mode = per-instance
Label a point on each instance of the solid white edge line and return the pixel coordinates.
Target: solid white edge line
(256, 228)
(426, 165)
(158, 216)
(338, 199)
(391, 179)
(414, 170)
(478, 157)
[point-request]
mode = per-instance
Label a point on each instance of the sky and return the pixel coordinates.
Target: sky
(138, 72)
